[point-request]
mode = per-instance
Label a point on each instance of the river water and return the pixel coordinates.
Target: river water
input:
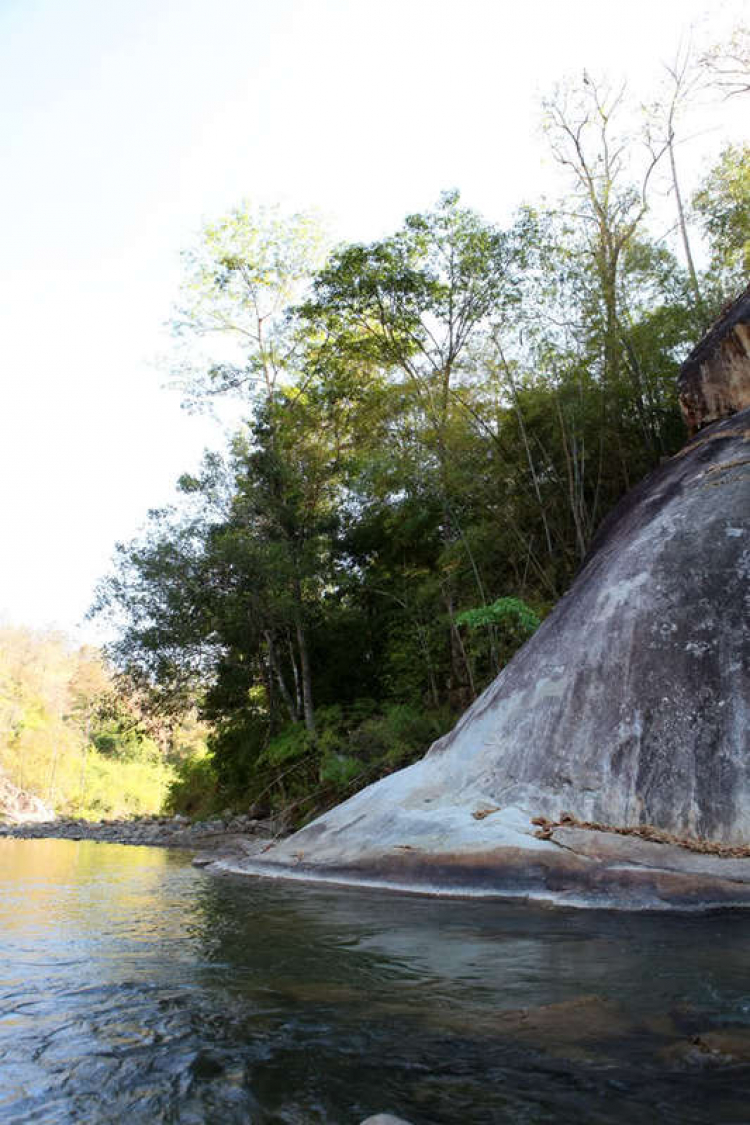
(134, 987)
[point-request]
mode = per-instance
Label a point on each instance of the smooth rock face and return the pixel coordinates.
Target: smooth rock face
(629, 706)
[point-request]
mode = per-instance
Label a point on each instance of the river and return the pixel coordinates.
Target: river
(136, 987)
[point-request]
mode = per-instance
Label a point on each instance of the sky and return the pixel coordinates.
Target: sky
(125, 125)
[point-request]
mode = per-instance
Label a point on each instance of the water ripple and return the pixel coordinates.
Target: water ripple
(134, 987)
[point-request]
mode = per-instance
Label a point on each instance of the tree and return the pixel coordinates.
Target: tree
(240, 279)
(415, 303)
(722, 204)
(420, 475)
(727, 65)
(587, 139)
(56, 703)
(417, 300)
(684, 81)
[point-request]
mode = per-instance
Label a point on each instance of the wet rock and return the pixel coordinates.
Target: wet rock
(384, 1119)
(214, 840)
(709, 1050)
(206, 1066)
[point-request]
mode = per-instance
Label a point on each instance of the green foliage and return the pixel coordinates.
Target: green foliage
(194, 790)
(339, 771)
(399, 735)
(723, 207)
(69, 736)
(119, 739)
(120, 788)
(510, 612)
(293, 743)
(239, 279)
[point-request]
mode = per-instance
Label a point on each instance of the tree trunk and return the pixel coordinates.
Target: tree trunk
(297, 684)
(304, 659)
(425, 646)
(458, 652)
(684, 232)
(277, 672)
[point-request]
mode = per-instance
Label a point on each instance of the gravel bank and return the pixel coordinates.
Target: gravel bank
(225, 836)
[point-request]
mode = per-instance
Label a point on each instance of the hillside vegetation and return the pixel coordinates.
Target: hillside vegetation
(68, 735)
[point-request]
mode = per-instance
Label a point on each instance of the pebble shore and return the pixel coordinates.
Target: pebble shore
(229, 832)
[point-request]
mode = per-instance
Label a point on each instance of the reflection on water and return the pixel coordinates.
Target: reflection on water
(133, 986)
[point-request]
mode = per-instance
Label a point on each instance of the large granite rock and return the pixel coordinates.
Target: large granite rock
(715, 378)
(629, 707)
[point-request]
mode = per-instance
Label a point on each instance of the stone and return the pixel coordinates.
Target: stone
(20, 807)
(628, 710)
(715, 378)
(384, 1119)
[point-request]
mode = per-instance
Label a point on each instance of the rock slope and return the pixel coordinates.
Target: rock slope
(629, 706)
(628, 710)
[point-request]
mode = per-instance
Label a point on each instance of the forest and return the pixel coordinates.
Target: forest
(434, 425)
(70, 736)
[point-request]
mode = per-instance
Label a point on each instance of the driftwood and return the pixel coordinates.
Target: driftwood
(546, 828)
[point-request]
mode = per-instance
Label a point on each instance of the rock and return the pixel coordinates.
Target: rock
(715, 378)
(206, 1065)
(384, 1119)
(709, 1050)
(20, 807)
(629, 707)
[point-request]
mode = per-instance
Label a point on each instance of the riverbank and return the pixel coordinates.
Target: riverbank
(230, 836)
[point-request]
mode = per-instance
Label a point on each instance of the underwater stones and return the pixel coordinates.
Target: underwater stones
(384, 1119)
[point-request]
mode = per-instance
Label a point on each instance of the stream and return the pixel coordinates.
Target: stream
(136, 987)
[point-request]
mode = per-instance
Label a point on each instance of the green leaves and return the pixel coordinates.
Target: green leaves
(510, 612)
(240, 279)
(723, 208)
(416, 300)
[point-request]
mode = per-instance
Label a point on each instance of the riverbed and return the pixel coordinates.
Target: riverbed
(136, 987)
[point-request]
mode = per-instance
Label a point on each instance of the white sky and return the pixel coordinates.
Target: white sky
(125, 123)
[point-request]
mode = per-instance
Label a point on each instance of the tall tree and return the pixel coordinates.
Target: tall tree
(589, 140)
(722, 205)
(239, 281)
(727, 64)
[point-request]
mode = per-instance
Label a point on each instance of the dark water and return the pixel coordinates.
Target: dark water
(136, 988)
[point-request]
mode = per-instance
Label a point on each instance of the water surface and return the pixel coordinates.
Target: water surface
(134, 987)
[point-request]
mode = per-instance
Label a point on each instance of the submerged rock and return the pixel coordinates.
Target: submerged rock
(630, 706)
(384, 1119)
